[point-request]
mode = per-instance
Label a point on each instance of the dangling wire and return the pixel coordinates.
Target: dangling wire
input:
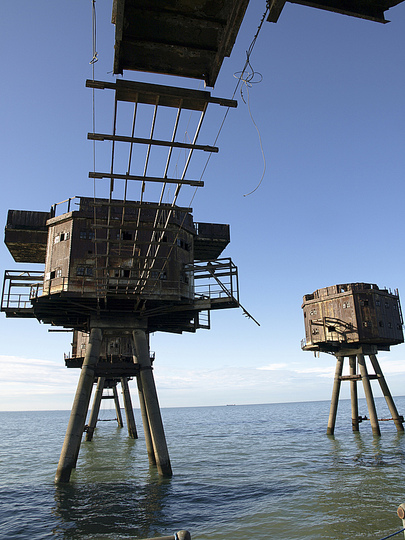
(248, 81)
(247, 78)
(241, 78)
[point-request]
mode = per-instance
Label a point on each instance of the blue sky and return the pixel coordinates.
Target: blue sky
(330, 110)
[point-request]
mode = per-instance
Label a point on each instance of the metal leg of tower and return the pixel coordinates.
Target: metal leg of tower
(129, 411)
(335, 396)
(95, 409)
(152, 403)
(117, 406)
(145, 422)
(353, 394)
(386, 392)
(73, 437)
(369, 395)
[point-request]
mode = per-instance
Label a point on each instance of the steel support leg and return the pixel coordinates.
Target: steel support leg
(129, 411)
(335, 396)
(152, 403)
(117, 406)
(95, 409)
(386, 392)
(145, 422)
(73, 437)
(369, 395)
(353, 394)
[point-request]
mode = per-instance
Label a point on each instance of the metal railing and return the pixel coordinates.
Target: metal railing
(217, 279)
(19, 288)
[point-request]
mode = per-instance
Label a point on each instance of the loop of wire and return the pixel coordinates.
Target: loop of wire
(241, 79)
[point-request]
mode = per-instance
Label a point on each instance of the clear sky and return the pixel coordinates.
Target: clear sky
(331, 114)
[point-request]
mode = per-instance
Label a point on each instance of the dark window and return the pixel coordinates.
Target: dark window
(390, 325)
(52, 274)
(331, 328)
(387, 304)
(381, 324)
(126, 235)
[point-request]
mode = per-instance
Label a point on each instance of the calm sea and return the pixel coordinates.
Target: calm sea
(254, 471)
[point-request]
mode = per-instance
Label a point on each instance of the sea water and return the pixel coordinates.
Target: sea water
(253, 471)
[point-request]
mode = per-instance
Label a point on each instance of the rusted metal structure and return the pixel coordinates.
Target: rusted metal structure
(115, 271)
(192, 38)
(354, 320)
(120, 267)
(188, 39)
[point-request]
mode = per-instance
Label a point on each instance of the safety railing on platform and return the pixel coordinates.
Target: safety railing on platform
(217, 279)
(214, 280)
(19, 288)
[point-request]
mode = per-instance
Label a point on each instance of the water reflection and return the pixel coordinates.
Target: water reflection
(111, 509)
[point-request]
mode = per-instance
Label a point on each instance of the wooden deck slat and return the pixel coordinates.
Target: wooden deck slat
(98, 175)
(154, 142)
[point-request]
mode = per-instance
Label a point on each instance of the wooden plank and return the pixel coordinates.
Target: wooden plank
(154, 142)
(97, 175)
(169, 96)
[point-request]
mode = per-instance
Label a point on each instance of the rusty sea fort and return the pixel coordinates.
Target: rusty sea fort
(256, 471)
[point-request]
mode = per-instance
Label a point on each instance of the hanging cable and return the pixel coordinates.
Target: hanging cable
(242, 76)
(248, 84)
